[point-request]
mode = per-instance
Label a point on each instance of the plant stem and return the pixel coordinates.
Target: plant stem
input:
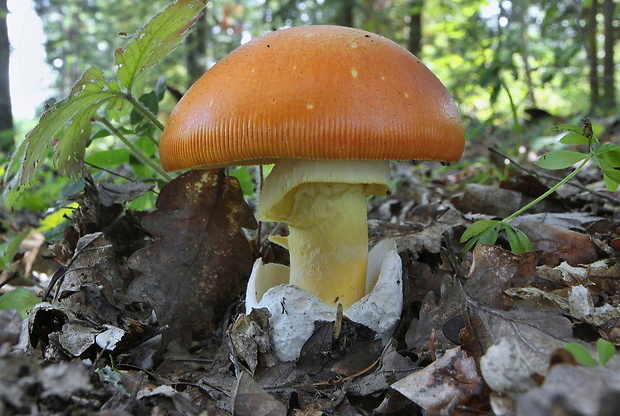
(145, 111)
(549, 192)
(540, 174)
(136, 151)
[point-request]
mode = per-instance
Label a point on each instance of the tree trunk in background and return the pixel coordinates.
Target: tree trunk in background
(196, 43)
(6, 115)
(414, 43)
(520, 9)
(345, 16)
(591, 53)
(609, 88)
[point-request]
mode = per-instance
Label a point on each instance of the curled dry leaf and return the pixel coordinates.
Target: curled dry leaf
(202, 260)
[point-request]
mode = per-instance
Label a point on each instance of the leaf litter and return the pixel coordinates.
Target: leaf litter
(151, 317)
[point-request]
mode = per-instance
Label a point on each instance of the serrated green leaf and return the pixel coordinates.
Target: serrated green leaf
(11, 182)
(66, 126)
(19, 299)
(477, 228)
(568, 127)
(574, 139)
(151, 102)
(109, 158)
(162, 34)
(115, 109)
(560, 159)
(606, 351)
(580, 353)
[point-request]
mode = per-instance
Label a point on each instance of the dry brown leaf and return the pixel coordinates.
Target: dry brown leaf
(92, 284)
(487, 314)
(444, 384)
(575, 390)
(202, 260)
(250, 399)
(553, 234)
(488, 200)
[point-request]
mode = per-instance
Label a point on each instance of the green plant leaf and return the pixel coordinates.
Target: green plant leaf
(67, 125)
(11, 182)
(560, 159)
(606, 351)
(490, 235)
(519, 242)
(574, 139)
(100, 134)
(609, 172)
(9, 248)
(568, 127)
(610, 153)
(477, 228)
(610, 184)
(244, 178)
(109, 158)
(162, 34)
(57, 217)
(20, 299)
(580, 353)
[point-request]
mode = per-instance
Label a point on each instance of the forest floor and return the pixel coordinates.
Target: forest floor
(145, 316)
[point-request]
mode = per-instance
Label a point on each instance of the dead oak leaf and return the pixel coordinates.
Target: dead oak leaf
(486, 314)
(202, 260)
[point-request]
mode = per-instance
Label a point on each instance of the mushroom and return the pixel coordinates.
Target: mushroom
(330, 106)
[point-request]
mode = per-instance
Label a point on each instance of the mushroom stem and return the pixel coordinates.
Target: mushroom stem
(323, 202)
(328, 241)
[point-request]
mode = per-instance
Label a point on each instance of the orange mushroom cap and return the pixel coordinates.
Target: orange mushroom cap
(313, 92)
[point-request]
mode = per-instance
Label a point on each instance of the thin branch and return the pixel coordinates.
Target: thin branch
(554, 178)
(145, 111)
(136, 151)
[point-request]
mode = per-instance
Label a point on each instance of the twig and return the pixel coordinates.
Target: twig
(13, 276)
(547, 176)
(135, 150)
(145, 111)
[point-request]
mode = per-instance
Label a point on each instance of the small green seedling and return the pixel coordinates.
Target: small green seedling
(606, 156)
(605, 351)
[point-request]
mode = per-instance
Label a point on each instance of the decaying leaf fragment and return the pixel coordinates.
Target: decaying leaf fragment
(487, 315)
(447, 382)
(575, 390)
(554, 235)
(251, 399)
(202, 259)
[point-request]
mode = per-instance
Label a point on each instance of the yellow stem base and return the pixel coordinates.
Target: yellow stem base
(328, 241)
